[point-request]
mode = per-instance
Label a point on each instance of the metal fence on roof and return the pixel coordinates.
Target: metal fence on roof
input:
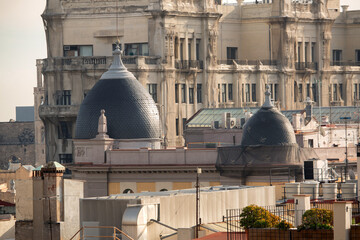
(208, 115)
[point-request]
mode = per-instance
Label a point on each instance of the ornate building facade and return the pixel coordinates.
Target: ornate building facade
(195, 54)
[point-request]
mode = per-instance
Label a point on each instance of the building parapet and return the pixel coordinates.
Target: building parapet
(58, 111)
(100, 62)
(178, 156)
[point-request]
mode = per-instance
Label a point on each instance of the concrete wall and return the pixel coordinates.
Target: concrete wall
(73, 192)
(24, 200)
(7, 228)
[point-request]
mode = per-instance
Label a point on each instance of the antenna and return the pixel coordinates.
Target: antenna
(117, 23)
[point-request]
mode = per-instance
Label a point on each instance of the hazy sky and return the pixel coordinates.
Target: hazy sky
(22, 41)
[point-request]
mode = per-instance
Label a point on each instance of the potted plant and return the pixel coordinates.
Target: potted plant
(254, 216)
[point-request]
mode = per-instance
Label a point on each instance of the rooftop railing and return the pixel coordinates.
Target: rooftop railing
(186, 64)
(343, 63)
(98, 60)
(248, 62)
(306, 65)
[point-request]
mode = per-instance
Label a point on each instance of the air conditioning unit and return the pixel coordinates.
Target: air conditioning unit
(231, 123)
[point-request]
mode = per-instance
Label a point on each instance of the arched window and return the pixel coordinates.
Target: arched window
(128, 190)
(163, 190)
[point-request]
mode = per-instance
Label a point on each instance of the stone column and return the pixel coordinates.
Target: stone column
(302, 50)
(302, 204)
(193, 47)
(342, 220)
(185, 47)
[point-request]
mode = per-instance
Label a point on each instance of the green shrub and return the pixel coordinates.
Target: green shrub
(257, 217)
(284, 225)
(317, 219)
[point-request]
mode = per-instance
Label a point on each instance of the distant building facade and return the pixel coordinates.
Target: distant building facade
(195, 54)
(17, 143)
(25, 114)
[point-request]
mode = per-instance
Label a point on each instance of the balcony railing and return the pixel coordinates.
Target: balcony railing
(348, 63)
(186, 64)
(98, 61)
(306, 65)
(248, 62)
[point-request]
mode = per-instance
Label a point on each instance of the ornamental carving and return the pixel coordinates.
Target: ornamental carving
(26, 137)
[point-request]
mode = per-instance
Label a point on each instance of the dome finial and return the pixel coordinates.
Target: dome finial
(117, 69)
(117, 63)
(267, 103)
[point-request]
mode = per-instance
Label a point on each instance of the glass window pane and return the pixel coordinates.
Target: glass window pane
(86, 51)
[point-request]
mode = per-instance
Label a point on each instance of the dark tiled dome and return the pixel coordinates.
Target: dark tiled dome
(268, 127)
(130, 110)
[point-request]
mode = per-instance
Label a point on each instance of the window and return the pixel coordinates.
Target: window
(247, 92)
(276, 92)
(223, 92)
(198, 49)
(153, 91)
(177, 126)
(65, 158)
(181, 49)
(306, 52)
(335, 92)
(295, 91)
(308, 90)
(341, 91)
(63, 97)
(313, 52)
(298, 52)
(230, 91)
(231, 53)
(183, 93)
(355, 92)
(64, 130)
(128, 190)
(274, 88)
(141, 49)
(357, 57)
(311, 143)
(218, 92)
(337, 56)
(78, 50)
(199, 93)
(253, 92)
(300, 92)
(314, 91)
(189, 51)
(176, 93)
(184, 124)
(191, 95)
